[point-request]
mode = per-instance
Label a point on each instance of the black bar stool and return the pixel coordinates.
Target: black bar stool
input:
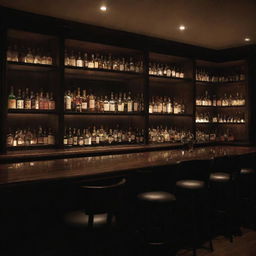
(224, 195)
(93, 226)
(155, 222)
(247, 189)
(192, 202)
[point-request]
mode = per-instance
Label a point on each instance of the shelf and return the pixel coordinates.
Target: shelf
(29, 66)
(166, 79)
(30, 147)
(104, 113)
(101, 74)
(159, 114)
(220, 83)
(221, 123)
(31, 111)
(199, 106)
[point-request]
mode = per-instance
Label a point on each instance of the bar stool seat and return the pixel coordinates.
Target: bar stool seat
(247, 171)
(80, 220)
(190, 184)
(156, 197)
(220, 177)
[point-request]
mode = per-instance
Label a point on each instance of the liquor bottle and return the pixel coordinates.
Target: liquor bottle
(96, 61)
(84, 102)
(106, 104)
(51, 138)
(9, 139)
(40, 136)
(46, 101)
(68, 101)
(75, 138)
(80, 139)
(131, 65)
(129, 103)
(78, 101)
(72, 59)
(120, 105)
(91, 102)
(125, 103)
(65, 138)
(112, 104)
(41, 100)
(27, 102)
(79, 61)
(86, 60)
(12, 99)
(51, 102)
(29, 56)
(70, 138)
(91, 62)
(20, 100)
(66, 59)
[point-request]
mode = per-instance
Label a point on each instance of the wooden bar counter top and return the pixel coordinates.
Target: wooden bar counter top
(91, 167)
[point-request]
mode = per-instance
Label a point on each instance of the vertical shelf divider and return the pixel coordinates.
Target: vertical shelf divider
(3, 89)
(60, 96)
(146, 94)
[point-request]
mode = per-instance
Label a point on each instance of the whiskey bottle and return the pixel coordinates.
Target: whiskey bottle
(79, 61)
(20, 100)
(84, 102)
(51, 102)
(106, 104)
(27, 100)
(68, 101)
(129, 103)
(51, 138)
(91, 102)
(12, 100)
(112, 104)
(72, 59)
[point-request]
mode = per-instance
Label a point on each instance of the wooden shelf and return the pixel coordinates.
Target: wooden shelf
(171, 80)
(221, 123)
(101, 74)
(31, 111)
(21, 66)
(165, 115)
(199, 106)
(220, 83)
(103, 113)
(18, 148)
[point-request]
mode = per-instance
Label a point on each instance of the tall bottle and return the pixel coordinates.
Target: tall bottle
(12, 99)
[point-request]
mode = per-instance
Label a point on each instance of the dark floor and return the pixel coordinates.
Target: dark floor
(244, 245)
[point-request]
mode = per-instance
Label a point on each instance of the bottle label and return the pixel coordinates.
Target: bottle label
(27, 104)
(68, 103)
(65, 141)
(92, 104)
(20, 104)
(84, 105)
(12, 104)
(51, 139)
(129, 107)
(112, 107)
(79, 63)
(106, 107)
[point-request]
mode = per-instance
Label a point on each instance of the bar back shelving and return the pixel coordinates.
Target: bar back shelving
(72, 87)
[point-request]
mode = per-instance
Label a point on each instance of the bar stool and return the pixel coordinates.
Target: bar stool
(192, 203)
(220, 187)
(155, 220)
(93, 227)
(246, 186)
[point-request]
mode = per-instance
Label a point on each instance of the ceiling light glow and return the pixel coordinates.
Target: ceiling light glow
(182, 27)
(103, 8)
(247, 39)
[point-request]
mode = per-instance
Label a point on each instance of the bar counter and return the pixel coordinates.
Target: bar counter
(92, 167)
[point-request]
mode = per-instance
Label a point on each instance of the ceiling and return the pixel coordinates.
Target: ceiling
(214, 24)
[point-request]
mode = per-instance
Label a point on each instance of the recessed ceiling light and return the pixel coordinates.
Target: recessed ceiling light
(103, 8)
(182, 27)
(247, 39)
